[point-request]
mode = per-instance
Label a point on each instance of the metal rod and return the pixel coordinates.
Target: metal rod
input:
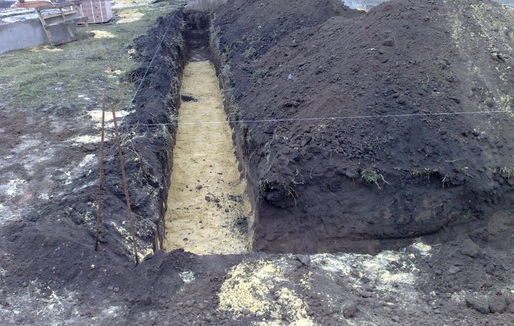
(99, 211)
(125, 186)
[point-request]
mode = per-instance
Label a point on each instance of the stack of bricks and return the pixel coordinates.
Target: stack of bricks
(30, 4)
(97, 11)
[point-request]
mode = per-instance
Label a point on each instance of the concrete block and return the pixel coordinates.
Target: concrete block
(21, 28)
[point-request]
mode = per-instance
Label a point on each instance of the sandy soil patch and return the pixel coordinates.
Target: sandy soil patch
(207, 196)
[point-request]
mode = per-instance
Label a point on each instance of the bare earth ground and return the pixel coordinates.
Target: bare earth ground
(50, 274)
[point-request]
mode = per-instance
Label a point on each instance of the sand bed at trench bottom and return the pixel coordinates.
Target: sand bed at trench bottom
(207, 200)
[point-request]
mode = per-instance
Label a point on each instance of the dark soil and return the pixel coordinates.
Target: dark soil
(306, 62)
(367, 133)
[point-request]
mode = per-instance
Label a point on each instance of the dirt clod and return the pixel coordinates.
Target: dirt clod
(350, 309)
(470, 248)
(479, 304)
(497, 304)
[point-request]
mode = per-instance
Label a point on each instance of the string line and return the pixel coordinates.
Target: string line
(333, 118)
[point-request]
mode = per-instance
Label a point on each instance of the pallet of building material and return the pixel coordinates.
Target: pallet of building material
(30, 4)
(97, 11)
(60, 20)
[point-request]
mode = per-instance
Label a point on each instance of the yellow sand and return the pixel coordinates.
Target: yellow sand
(259, 287)
(207, 193)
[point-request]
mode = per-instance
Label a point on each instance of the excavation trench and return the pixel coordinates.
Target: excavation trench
(207, 206)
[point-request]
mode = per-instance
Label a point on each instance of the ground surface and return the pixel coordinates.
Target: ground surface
(50, 273)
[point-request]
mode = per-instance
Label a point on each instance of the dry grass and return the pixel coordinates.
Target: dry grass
(204, 4)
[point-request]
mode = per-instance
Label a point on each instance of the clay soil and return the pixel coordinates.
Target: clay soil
(345, 127)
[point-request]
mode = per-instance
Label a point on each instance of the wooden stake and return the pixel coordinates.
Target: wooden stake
(125, 186)
(99, 211)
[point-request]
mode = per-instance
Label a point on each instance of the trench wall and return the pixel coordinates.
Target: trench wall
(148, 136)
(220, 59)
(149, 132)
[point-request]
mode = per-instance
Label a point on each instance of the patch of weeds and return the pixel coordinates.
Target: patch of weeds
(243, 132)
(373, 176)
(258, 74)
(249, 53)
(284, 190)
(231, 98)
(425, 172)
(507, 172)
(225, 72)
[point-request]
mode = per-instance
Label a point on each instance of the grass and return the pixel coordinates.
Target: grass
(507, 172)
(372, 176)
(259, 73)
(81, 72)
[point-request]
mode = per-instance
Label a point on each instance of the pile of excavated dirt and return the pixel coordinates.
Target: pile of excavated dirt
(358, 128)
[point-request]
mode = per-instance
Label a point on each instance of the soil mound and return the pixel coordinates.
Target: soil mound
(369, 126)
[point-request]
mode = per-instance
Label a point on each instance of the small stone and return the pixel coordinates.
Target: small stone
(510, 308)
(306, 140)
(89, 147)
(304, 259)
(388, 42)
(490, 268)
(207, 198)
(390, 299)
(199, 187)
(469, 248)
(350, 309)
(190, 303)
(497, 303)
(453, 270)
(366, 294)
(309, 311)
(110, 288)
(116, 289)
(365, 279)
(479, 305)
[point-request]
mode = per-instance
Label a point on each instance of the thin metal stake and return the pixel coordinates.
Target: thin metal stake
(99, 211)
(125, 186)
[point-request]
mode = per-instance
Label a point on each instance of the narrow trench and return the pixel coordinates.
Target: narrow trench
(208, 209)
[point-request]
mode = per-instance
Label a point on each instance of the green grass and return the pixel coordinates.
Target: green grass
(507, 172)
(81, 72)
(373, 176)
